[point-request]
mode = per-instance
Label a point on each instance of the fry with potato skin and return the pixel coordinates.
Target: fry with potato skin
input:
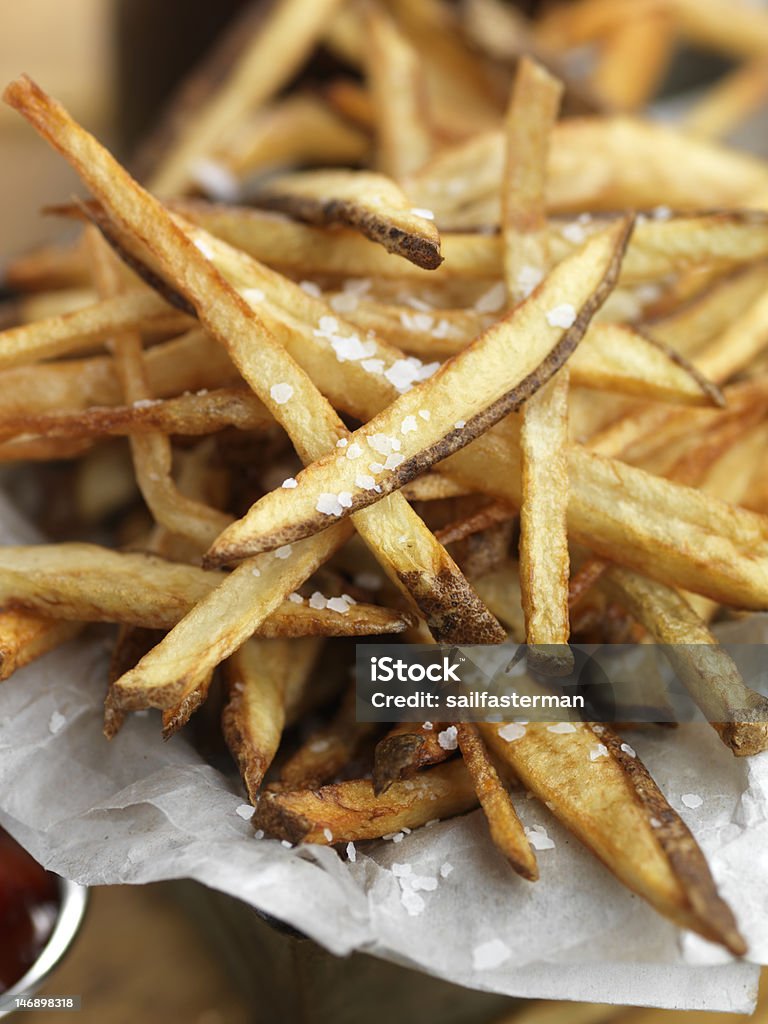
(452, 609)
(26, 636)
(611, 803)
(503, 372)
(371, 203)
(506, 828)
(407, 748)
(350, 811)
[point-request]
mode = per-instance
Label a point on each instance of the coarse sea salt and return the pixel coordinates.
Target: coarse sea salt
(345, 499)
(692, 800)
(562, 727)
(328, 504)
(255, 571)
(311, 289)
(318, 600)
(394, 460)
(338, 604)
(216, 180)
(412, 902)
(448, 738)
(245, 811)
(445, 869)
(289, 483)
(408, 424)
(365, 482)
(296, 598)
(351, 853)
(281, 393)
(599, 750)
(511, 731)
(284, 551)
(628, 750)
(421, 211)
(425, 414)
(493, 300)
(562, 315)
(490, 954)
(401, 870)
(428, 726)
(328, 834)
(539, 838)
(344, 302)
(56, 722)
(254, 295)
(354, 451)
(286, 844)
(573, 232)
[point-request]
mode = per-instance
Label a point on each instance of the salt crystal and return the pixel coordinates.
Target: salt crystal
(408, 424)
(216, 180)
(328, 325)
(328, 504)
(328, 834)
(662, 213)
(284, 551)
(259, 833)
(354, 451)
(563, 315)
(431, 822)
(423, 883)
(344, 302)
(253, 295)
(255, 571)
(599, 750)
(342, 442)
(628, 750)
(428, 726)
(401, 870)
(296, 598)
(448, 738)
(397, 837)
(538, 838)
(420, 211)
(351, 853)
(493, 300)
(57, 721)
(489, 955)
(338, 604)
(373, 365)
(655, 823)
(402, 374)
(511, 731)
(144, 403)
(281, 393)
(381, 443)
(311, 289)
(528, 279)
(692, 800)
(417, 321)
(562, 727)
(393, 461)
(317, 600)
(366, 483)
(376, 467)
(286, 844)
(245, 811)
(412, 902)
(573, 233)
(425, 414)
(289, 482)
(345, 499)
(459, 424)
(446, 869)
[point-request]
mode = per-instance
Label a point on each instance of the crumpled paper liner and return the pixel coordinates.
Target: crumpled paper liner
(137, 810)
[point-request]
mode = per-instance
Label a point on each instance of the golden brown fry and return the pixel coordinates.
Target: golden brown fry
(87, 583)
(52, 266)
(500, 589)
(394, 74)
(490, 515)
(73, 332)
(26, 636)
(254, 716)
(328, 750)
(432, 579)
(462, 400)
(371, 203)
(407, 748)
(175, 718)
(739, 715)
(289, 34)
(607, 798)
(350, 811)
(189, 414)
(736, 29)
(506, 828)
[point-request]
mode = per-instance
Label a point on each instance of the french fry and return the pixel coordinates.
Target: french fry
(370, 203)
(267, 368)
(735, 29)
(406, 749)
(73, 332)
(500, 589)
(506, 829)
(397, 89)
(633, 58)
(254, 715)
(26, 636)
(544, 564)
(729, 101)
(503, 375)
(350, 811)
(289, 32)
(189, 414)
(87, 583)
(614, 807)
(327, 751)
(739, 715)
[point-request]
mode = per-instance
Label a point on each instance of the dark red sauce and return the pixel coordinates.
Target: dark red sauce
(29, 905)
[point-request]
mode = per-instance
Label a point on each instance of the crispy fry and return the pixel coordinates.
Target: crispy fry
(407, 748)
(397, 89)
(612, 804)
(254, 715)
(26, 636)
(729, 101)
(456, 415)
(350, 811)
(371, 203)
(506, 829)
(633, 59)
(87, 583)
(739, 715)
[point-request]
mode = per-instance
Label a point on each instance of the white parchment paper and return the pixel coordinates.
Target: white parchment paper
(137, 810)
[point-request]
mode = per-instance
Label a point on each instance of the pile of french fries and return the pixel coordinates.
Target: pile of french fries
(459, 351)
